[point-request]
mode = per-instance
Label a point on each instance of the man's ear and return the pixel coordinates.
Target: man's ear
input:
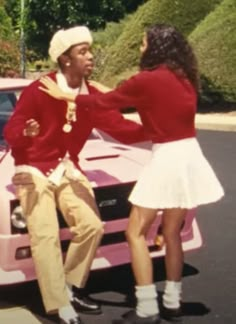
(64, 60)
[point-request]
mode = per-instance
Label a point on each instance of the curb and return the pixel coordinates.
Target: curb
(211, 121)
(219, 122)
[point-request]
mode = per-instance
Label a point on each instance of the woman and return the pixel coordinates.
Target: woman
(177, 178)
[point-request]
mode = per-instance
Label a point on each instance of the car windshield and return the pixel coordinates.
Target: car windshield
(7, 102)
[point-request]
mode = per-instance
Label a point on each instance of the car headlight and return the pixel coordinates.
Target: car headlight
(17, 218)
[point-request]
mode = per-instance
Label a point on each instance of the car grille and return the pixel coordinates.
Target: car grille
(112, 202)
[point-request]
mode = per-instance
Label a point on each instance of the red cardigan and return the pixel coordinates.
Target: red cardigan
(47, 149)
(166, 103)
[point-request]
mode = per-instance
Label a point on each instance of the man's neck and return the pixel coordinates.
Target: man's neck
(73, 81)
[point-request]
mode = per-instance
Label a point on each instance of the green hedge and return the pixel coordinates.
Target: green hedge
(124, 53)
(214, 41)
(103, 40)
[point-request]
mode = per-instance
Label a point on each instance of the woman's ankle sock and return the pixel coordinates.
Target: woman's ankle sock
(172, 294)
(146, 300)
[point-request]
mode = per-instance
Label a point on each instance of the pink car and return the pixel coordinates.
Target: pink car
(111, 167)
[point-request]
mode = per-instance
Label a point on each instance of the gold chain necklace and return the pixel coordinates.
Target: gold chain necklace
(70, 117)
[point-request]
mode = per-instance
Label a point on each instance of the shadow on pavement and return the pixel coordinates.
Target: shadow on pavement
(195, 309)
(110, 287)
(120, 279)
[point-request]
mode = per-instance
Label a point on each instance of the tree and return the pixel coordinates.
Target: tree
(6, 29)
(47, 16)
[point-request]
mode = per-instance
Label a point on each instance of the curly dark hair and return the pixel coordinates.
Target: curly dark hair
(166, 45)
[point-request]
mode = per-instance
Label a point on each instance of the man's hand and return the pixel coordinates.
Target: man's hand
(31, 128)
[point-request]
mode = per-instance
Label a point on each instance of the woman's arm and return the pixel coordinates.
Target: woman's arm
(99, 86)
(113, 123)
(126, 95)
(109, 120)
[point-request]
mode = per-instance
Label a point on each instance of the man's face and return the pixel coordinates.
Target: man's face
(81, 59)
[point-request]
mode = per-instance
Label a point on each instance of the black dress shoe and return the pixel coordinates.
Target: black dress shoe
(172, 314)
(76, 320)
(132, 318)
(84, 304)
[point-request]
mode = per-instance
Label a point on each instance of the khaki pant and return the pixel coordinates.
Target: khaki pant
(39, 199)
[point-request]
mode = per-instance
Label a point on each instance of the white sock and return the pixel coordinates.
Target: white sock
(69, 291)
(67, 313)
(146, 300)
(172, 294)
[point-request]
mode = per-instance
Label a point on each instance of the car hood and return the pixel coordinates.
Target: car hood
(8, 84)
(107, 163)
(104, 163)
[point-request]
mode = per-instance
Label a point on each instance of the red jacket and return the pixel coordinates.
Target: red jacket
(47, 149)
(166, 103)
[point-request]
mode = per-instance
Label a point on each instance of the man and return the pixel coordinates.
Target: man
(46, 139)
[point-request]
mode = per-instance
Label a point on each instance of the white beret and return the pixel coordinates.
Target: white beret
(63, 39)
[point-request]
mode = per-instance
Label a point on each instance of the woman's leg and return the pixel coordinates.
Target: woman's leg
(172, 221)
(146, 294)
(139, 223)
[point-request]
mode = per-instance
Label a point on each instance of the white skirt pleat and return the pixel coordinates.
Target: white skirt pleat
(178, 175)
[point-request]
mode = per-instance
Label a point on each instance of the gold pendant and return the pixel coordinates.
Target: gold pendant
(67, 128)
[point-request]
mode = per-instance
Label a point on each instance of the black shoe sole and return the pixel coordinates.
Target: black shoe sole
(89, 312)
(131, 317)
(172, 315)
(84, 310)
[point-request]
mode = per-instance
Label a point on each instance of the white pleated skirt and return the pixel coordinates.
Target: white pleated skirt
(177, 176)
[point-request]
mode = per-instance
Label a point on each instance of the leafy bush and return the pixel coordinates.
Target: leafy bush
(105, 38)
(214, 41)
(124, 53)
(9, 58)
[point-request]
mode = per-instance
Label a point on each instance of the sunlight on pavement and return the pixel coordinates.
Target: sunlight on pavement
(216, 121)
(17, 315)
